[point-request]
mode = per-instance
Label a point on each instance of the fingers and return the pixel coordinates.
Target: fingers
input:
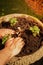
(18, 47)
(4, 32)
(9, 42)
(15, 45)
(17, 40)
(19, 43)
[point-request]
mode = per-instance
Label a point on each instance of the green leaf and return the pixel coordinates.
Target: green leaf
(4, 39)
(13, 21)
(31, 28)
(35, 30)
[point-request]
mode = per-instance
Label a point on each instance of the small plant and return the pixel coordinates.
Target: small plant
(4, 39)
(35, 30)
(13, 21)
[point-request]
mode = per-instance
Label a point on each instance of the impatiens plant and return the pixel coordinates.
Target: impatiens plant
(35, 30)
(13, 21)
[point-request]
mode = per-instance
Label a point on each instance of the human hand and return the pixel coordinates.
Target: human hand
(12, 48)
(14, 45)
